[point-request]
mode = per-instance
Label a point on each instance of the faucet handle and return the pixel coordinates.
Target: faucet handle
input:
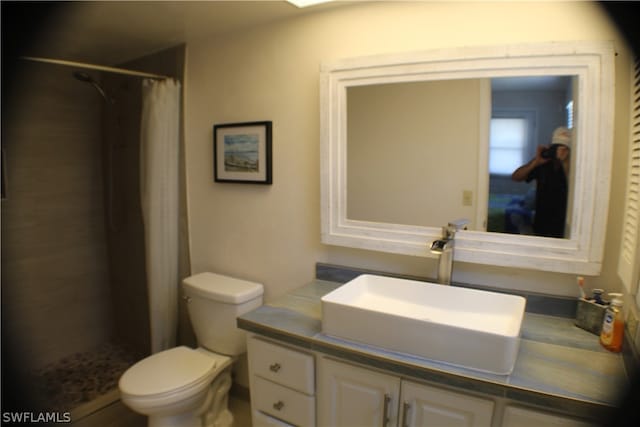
(458, 224)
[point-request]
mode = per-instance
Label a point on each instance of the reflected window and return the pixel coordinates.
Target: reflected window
(569, 109)
(508, 142)
(510, 207)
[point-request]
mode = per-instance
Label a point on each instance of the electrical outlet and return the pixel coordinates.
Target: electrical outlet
(467, 198)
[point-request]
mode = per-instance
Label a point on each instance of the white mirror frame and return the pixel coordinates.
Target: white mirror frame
(591, 62)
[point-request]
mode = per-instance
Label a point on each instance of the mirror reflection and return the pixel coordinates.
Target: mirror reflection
(421, 153)
(530, 155)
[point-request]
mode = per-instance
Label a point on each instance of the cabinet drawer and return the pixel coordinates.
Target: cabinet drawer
(264, 420)
(283, 403)
(281, 364)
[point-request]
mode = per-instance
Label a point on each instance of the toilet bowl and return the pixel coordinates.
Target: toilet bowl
(184, 387)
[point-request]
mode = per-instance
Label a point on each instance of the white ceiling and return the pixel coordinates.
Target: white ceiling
(113, 32)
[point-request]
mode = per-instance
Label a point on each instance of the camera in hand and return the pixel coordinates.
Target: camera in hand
(550, 153)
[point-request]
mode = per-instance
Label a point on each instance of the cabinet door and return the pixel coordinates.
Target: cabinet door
(351, 396)
(423, 405)
(521, 417)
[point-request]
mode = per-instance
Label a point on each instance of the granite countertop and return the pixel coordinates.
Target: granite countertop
(559, 366)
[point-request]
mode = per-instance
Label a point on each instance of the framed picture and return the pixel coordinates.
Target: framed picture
(242, 152)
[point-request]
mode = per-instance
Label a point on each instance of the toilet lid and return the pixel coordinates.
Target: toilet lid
(222, 288)
(168, 370)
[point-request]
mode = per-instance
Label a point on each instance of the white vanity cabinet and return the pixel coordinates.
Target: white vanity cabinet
(282, 384)
(515, 416)
(295, 387)
(349, 395)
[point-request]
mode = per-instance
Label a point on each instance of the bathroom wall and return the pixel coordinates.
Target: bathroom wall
(271, 234)
(55, 295)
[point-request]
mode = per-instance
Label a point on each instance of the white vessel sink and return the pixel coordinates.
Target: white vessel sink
(464, 327)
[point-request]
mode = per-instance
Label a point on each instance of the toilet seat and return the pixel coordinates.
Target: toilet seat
(171, 375)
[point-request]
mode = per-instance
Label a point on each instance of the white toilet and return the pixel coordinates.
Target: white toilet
(183, 387)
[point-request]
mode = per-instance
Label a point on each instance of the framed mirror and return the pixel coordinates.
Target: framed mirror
(412, 141)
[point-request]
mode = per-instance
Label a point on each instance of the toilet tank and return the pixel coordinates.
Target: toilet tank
(214, 302)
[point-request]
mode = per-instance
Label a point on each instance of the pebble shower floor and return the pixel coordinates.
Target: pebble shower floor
(82, 377)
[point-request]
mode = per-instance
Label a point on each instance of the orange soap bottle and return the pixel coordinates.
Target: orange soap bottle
(613, 325)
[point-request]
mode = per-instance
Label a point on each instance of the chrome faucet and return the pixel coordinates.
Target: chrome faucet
(444, 248)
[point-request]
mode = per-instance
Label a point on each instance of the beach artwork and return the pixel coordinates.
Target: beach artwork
(241, 153)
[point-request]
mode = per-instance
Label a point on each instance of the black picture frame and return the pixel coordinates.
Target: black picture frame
(242, 152)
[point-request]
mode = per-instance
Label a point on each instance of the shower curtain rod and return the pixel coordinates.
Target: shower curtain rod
(96, 67)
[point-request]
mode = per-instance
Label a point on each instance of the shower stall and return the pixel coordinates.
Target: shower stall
(75, 310)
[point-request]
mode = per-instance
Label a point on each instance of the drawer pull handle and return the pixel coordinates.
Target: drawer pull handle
(385, 415)
(278, 405)
(405, 414)
(275, 367)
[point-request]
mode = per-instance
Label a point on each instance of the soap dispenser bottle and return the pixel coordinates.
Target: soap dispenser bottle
(613, 325)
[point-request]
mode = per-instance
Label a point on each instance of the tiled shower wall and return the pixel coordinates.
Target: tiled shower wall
(55, 291)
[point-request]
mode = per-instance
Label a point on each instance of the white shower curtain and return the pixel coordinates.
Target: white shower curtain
(159, 156)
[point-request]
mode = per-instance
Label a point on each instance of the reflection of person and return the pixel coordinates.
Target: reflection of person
(550, 169)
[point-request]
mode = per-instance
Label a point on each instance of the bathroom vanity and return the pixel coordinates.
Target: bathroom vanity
(299, 376)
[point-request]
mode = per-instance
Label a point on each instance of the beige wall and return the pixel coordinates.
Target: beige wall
(271, 234)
